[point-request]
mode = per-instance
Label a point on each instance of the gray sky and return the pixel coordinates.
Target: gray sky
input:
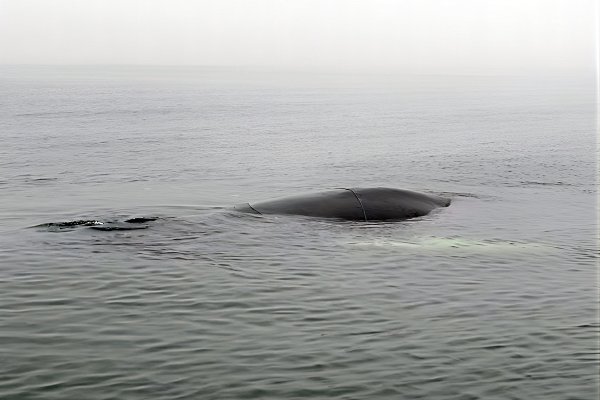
(419, 35)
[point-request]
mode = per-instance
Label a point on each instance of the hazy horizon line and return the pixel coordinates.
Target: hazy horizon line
(392, 70)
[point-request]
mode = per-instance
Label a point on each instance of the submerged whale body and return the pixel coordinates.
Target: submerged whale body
(356, 204)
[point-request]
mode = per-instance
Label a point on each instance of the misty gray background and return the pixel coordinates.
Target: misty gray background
(470, 36)
(490, 103)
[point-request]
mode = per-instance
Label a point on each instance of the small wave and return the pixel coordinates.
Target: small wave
(42, 179)
(538, 183)
(46, 114)
(88, 113)
(29, 180)
(458, 194)
(115, 226)
(595, 325)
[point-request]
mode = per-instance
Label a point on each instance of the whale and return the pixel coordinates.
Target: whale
(352, 204)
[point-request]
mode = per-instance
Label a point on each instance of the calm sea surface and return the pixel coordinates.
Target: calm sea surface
(495, 297)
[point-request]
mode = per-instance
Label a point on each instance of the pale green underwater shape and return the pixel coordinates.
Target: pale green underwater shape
(450, 243)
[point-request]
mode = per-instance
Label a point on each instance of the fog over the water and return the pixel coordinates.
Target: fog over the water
(408, 35)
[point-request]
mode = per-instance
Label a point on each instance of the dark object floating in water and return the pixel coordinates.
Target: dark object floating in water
(69, 224)
(127, 225)
(356, 204)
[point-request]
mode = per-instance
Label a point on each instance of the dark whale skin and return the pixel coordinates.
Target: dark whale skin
(356, 204)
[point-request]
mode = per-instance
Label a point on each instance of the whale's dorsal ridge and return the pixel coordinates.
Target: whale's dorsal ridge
(357, 204)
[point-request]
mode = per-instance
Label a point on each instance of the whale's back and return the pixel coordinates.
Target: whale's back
(357, 204)
(338, 203)
(389, 204)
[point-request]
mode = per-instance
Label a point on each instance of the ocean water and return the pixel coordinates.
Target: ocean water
(494, 297)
